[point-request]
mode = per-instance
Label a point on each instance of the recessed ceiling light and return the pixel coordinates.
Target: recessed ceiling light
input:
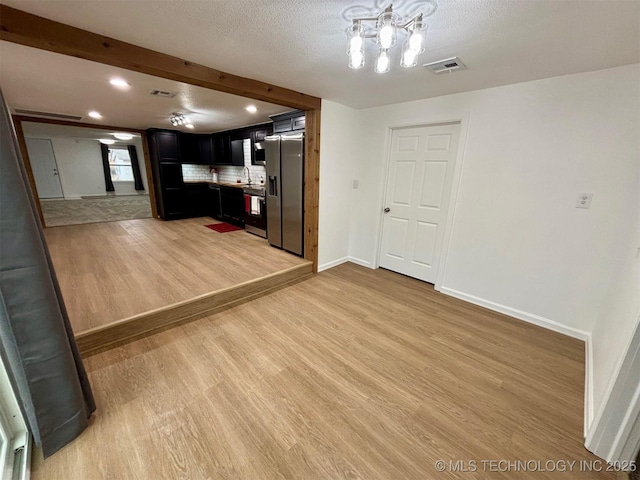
(94, 114)
(107, 141)
(252, 109)
(123, 136)
(189, 125)
(119, 82)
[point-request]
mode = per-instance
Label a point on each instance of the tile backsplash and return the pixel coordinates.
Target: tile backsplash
(227, 173)
(195, 172)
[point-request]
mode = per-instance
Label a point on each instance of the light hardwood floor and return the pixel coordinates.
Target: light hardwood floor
(111, 271)
(353, 373)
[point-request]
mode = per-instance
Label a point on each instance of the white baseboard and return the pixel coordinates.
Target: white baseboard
(588, 384)
(362, 263)
(551, 325)
(335, 263)
(519, 314)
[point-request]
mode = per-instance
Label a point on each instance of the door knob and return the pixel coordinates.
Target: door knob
(387, 210)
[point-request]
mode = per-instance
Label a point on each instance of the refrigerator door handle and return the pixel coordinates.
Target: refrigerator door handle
(273, 186)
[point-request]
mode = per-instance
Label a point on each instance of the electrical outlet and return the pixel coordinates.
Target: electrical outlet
(355, 184)
(584, 200)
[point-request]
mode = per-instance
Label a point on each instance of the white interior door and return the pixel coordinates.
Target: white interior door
(417, 197)
(45, 168)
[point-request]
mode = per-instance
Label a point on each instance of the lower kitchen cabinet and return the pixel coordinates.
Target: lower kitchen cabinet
(198, 199)
(232, 205)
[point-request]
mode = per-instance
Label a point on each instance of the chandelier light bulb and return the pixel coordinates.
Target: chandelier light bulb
(408, 57)
(355, 45)
(415, 41)
(356, 59)
(384, 29)
(382, 65)
(386, 36)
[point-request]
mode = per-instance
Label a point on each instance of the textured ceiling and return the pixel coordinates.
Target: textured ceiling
(39, 80)
(300, 44)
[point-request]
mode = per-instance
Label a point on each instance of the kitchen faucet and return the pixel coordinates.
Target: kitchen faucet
(248, 175)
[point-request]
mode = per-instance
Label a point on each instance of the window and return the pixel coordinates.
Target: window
(120, 163)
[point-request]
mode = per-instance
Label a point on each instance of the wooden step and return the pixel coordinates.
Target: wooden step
(138, 326)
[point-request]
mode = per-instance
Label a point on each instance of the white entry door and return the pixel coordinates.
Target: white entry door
(45, 168)
(417, 197)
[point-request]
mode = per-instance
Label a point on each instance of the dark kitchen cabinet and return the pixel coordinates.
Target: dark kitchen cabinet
(289, 122)
(196, 149)
(167, 143)
(236, 145)
(258, 135)
(188, 148)
(205, 149)
(237, 152)
(197, 199)
(166, 167)
(232, 205)
(221, 149)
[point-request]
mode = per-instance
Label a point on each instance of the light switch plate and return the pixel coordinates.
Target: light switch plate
(584, 200)
(355, 184)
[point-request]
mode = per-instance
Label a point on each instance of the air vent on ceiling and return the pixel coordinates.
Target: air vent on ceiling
(445, 66)
(60, 116)
(162, 93)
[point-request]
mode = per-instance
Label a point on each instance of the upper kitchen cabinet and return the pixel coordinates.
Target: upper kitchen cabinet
(237, 152)
(258, 134)
(221, 149)
(167, 144)
(205, 149)
(188, 148)
(289, 122)
(236, 140)
(196, 149)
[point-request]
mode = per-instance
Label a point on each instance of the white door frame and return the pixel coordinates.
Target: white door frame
(463, 120)
(615, 433)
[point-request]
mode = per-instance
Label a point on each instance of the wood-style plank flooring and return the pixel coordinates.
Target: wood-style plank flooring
(352, 374)
(111, 271)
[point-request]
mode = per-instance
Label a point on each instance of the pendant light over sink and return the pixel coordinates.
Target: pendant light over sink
(384, 29)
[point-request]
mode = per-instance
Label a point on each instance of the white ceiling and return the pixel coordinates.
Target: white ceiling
(49, 82)
(301, 44)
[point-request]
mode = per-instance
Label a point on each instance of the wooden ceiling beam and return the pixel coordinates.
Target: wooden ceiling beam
(31, 30)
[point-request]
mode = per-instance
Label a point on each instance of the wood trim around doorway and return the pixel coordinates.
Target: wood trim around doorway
(18, 120)
(22, 145)
(311, 186)
(24, 28)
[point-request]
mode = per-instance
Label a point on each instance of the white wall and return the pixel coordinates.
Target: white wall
(338, 152)
(80, 167)
(517, 242)
(620, 310)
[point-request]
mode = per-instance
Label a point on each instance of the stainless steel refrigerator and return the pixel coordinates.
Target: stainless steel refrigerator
(284, 161)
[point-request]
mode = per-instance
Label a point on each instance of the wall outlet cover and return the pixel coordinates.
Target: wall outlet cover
(584, 200)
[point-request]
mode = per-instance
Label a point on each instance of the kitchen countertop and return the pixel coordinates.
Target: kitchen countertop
(222, 184)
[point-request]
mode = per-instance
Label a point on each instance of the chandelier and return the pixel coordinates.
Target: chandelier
(178, 120)
(384, 29)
